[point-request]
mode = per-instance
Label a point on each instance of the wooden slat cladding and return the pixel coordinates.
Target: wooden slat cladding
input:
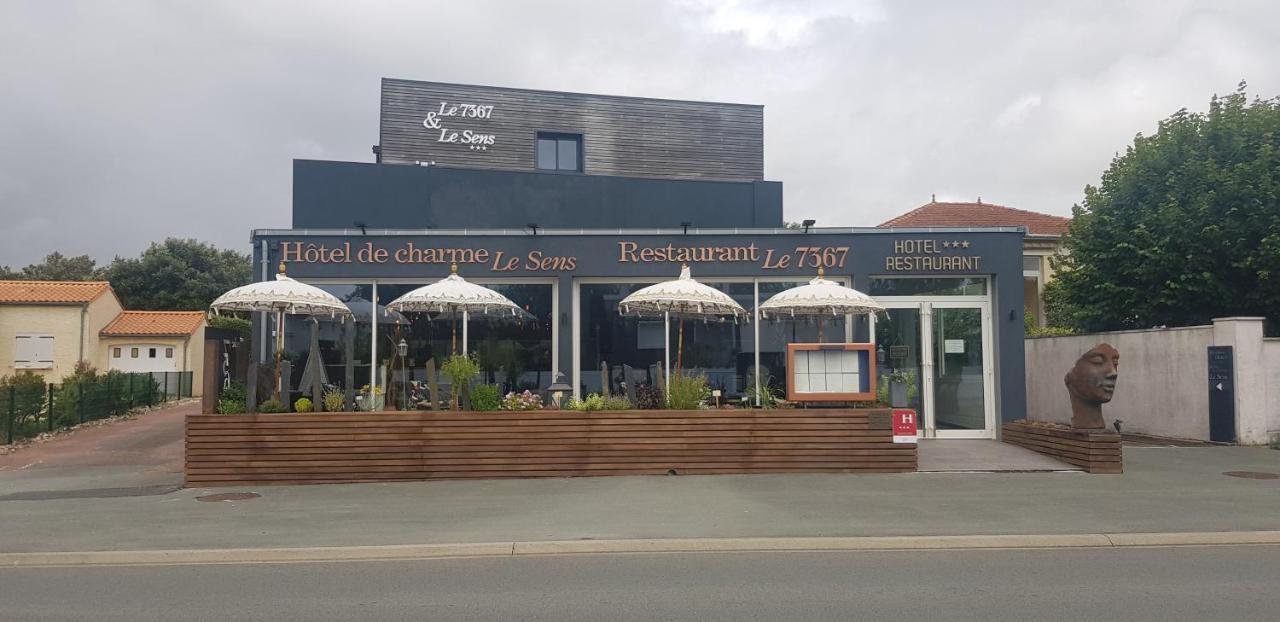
(227, 450)
(625, 136)
(1095, 452)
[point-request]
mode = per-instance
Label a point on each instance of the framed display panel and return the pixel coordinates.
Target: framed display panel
(831, 372)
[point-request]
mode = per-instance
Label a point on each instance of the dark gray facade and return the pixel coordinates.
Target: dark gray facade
(566, 256)
(484, 127)
(325, 195)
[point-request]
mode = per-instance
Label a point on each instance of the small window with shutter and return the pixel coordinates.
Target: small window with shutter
(33, 351)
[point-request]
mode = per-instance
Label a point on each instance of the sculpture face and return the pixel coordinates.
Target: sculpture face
(1093, 379)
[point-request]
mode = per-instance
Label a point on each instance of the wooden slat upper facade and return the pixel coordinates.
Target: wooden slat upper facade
(623, 136)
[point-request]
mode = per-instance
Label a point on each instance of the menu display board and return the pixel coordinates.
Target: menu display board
(830, 372)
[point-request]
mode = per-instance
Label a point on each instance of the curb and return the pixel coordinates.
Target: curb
(659, 545)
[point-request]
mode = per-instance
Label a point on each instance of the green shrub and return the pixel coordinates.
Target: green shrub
(231, 400)
(334, 400)
(591, 402)
(486, 397)
(27, 391)
(617, 402)
(271, 406)
(460, 369)
(303, 405)
(230, 322)
(686, 391)
(763, 394)
(1031, 330)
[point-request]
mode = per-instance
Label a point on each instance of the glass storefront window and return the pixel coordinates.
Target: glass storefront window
(775, 334)
(343, 344)
(948, 286)
(516, 355)
(720, 350)
(513, 354)
(607, 337)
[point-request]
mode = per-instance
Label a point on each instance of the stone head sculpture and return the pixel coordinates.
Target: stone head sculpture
(1091, 384)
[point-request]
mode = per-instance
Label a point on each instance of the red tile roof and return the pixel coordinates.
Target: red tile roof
(154, 323)
(936, 214)
(52, 292)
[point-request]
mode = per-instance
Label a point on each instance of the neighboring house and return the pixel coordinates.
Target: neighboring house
(155, 341)
(46, 327)
(1044, 238)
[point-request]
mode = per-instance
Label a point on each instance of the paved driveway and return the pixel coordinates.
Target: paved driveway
(126, 458)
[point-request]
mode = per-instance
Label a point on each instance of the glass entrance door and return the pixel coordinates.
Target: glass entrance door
(961, 375)
(937, 355)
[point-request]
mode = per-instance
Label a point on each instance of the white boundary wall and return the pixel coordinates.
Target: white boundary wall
(1163, 386)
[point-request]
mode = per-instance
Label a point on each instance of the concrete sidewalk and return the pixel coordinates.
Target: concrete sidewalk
(1163, 490)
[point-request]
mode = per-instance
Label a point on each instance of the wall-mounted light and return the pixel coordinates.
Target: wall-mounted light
(362, 226)
(534, 227)
(808, 223)
(402, 348)
(685, 226)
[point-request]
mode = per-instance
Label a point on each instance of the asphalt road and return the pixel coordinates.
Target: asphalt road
(1164, 584)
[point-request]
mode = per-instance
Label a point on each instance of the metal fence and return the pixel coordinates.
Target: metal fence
(29, 406)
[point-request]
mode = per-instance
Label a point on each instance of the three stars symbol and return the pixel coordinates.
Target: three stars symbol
(955, 244)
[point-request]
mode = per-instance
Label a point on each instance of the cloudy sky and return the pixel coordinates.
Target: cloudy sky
(126, 122)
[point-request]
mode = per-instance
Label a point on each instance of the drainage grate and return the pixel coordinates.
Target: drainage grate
(229, 496)
(1252, 474)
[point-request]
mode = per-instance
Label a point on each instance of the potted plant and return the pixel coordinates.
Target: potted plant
(370, 399)
(898, 388)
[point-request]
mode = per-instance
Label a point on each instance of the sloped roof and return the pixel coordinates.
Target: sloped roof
(154, 323)
(52, 292)
(935, 214)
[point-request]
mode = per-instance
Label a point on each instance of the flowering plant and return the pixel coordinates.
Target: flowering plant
(376, 390)
(527, 400)
(418, 392)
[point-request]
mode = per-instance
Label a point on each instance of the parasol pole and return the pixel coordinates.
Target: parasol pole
(820, 317)
(279, 339)
(279, 345)
(680, 344)
(666, 349)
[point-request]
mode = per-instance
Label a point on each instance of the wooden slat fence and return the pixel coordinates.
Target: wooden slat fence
(226, 450)
(1095, 452)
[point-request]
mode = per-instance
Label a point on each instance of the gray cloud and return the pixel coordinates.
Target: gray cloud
(126, 122)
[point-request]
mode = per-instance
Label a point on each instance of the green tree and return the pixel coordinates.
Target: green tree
(56, 267)
(178, 274)
(1184, 227)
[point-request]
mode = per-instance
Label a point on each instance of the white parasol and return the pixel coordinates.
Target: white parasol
(684, 297)
(283, 296)
(454, 294)
(820, 298)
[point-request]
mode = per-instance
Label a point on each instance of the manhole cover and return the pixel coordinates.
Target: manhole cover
(229, 496)
(1252, 474)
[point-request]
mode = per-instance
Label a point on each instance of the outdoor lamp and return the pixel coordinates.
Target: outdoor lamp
(557, 388)
(808, 223)
(402, 348)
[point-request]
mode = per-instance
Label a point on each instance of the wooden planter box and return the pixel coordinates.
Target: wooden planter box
(226, 450)
(1094, 451)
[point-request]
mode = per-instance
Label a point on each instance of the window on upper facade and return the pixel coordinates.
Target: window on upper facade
(168, 353)
(559, 152)
(133, 353)
(33, 351)
(115, 353)
(151, 353)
